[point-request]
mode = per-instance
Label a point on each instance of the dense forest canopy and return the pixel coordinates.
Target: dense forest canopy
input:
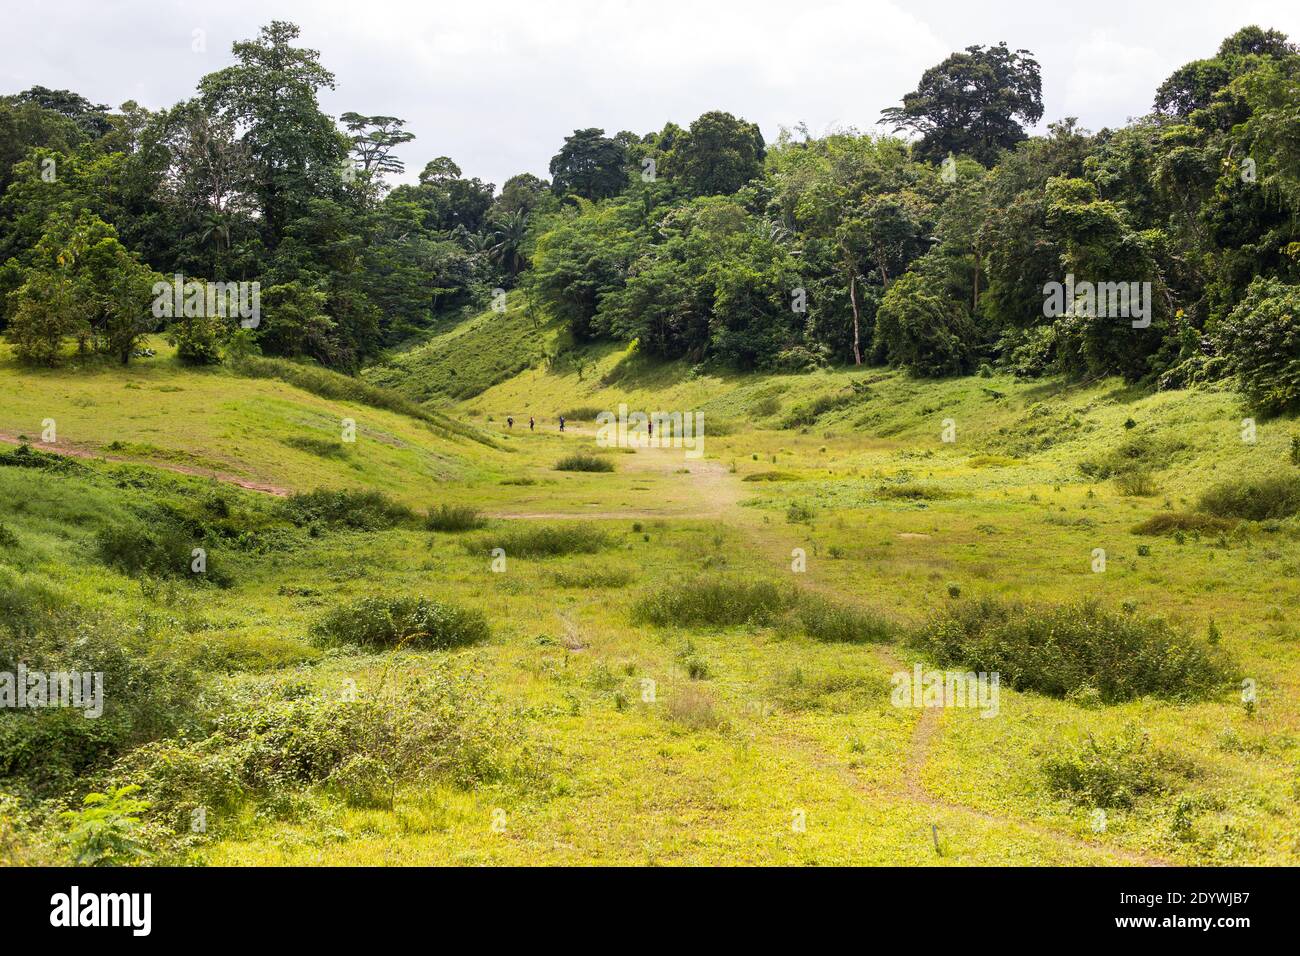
(700, 242)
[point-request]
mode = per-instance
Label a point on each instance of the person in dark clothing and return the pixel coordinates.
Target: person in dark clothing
(561, 423)
(531, 423)
(510, 421)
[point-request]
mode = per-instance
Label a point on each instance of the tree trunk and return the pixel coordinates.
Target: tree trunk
(853, 297)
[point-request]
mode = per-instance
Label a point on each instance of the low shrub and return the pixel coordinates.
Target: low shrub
(160, 549)
(1135, 483)
(772, 476)
(714, 602)
(582, 413)
(378, 623)
(584, 461)
(1172, 522)
(439, 727)
(1111, 773)
(808, 413)
(24, 456)
(46, 750)
(910, 491)
(454, 518)
(826, 620)
(1059, 649)
(1254, 499)
(693, 707)
(321, 447)
(591, 578)
(542, 541)
(352, 510)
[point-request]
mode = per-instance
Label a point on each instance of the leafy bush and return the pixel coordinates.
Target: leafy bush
(1135, 454)
(912, 492)
(920, 328)
(1172, 522)
(380, 622)
(714, 602)
(1111, 774)
(1135, 483)
(24, 456)
(583, 413)
(1255, 499)
(772, 476)
(827, 621)
(321, 447)
(543, 541)
(47, 749)
(1059, 649)
(161, 549)
(440, 726)
(1260, 339)
(354, 510)
(105, 831)
(808, 413)
(584, 461)
(454, 518)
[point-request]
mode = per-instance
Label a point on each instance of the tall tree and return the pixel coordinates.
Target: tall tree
(974, 102)
(270, 95)
(717, 155)
(590, 165)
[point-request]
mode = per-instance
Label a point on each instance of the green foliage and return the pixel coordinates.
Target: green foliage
(590, 165)
(350, 510)
(439, 727)
(1255, 498)
(918, 328)
(1261, 340)
(1110, 773)
(154, 548)
(454, 518)
(1173, 522)
(714, 602)
(106, 831)
(973, 102)
(717, 155)
(1061, 649)
(542, 541)
(402, 622)
(826, 620)
(584, 461)
(45, 750)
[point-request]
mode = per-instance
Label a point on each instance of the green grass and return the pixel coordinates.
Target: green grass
(584, 461)
(667, 638)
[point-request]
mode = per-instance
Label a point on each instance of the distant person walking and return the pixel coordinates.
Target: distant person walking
(510, 421)
(531, 424)
(561, 423)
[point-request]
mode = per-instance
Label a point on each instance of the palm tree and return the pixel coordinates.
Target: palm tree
(216, 229)
(507, 247)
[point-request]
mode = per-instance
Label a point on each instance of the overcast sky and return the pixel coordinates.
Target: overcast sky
(497, 84)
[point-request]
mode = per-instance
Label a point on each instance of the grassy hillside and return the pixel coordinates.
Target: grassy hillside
(259, 430)
(470, 356)
(657, 683)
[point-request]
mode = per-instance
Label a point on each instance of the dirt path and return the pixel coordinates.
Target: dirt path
(713, 488)
(73, 451)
